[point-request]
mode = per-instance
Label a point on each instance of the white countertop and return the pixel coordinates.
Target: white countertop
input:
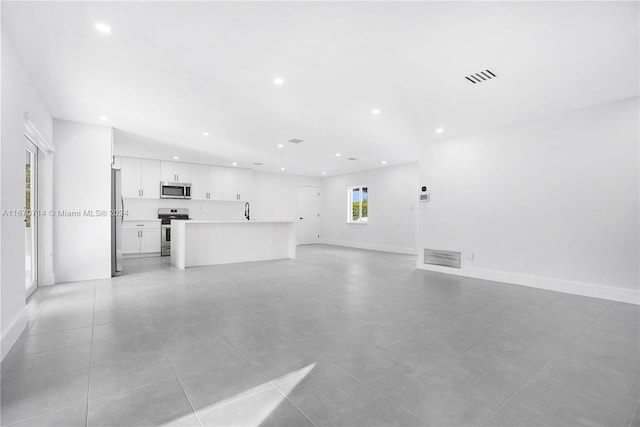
(229, 221)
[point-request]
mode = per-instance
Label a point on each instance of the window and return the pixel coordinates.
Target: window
(358, 205)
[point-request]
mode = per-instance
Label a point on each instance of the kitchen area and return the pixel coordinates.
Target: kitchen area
(150, 197)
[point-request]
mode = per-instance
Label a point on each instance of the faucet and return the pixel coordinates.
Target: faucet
(246, 211)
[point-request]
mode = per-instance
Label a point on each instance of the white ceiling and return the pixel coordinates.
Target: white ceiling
(171, 70)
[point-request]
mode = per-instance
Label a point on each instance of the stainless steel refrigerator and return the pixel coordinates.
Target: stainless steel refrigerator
(117, 217)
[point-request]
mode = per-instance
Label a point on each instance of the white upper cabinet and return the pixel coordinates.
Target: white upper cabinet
(150, 178)
(130, 176)
(216, 183)
(183, 170)
(200, 182)
(245, 181)
(236, 183)
(230, 184)
(140, 178)
(175, 172)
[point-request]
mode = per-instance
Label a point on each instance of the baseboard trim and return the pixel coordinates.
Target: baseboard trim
(559, 285)
(11, 333)
(373, 247)
(147, 255)
(48, 280)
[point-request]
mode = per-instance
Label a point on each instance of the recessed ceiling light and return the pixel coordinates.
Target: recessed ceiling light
(175, 157)
(278, 81)
(338, 154)
(280, 145)
(234, 164)
(205, 133)
(103, 28)
(439, 130)
(384, 162)
(103, 118)
(324, 173)
(375, 111)
(281, 169)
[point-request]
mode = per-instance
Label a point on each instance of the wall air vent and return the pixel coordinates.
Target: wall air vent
(480, 77)
(296, 141)
(352, 158)
(443, 258)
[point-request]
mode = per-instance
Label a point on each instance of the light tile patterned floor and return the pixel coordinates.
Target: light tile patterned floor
(338, 337)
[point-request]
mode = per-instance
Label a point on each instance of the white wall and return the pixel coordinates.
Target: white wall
(551, 202)
(393, 194)
(19, 96)
(82, 180)
(275, 196)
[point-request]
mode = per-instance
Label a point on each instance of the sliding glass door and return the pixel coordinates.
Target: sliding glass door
(30, 220)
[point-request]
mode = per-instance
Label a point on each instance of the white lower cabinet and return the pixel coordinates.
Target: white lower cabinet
(130, 242)
(140, 237)
(150, 241)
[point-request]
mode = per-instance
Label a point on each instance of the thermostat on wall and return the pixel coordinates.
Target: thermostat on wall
(424, 196)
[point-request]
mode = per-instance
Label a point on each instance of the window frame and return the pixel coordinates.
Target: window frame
(360, 220)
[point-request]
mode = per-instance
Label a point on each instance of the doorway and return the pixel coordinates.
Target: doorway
(30, 218)
(308, 214)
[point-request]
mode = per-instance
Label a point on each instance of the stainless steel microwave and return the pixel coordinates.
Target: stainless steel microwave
(175, 190)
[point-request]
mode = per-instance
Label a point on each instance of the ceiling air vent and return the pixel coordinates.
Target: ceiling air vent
(351, 158)
(296, 141)
(258, 163)
(443, 258)
(480, 77)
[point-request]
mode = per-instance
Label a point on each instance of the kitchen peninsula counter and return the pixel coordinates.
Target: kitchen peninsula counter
(210, 242)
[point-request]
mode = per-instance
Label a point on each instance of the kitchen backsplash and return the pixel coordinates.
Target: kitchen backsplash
(141, 209)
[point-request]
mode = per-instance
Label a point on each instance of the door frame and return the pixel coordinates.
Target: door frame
(33, 148)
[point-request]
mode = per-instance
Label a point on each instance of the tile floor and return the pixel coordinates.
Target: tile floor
(338, 337)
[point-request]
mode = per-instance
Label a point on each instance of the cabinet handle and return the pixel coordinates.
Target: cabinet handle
(142, 192)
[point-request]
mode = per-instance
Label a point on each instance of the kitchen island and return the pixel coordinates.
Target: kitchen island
(210, 242)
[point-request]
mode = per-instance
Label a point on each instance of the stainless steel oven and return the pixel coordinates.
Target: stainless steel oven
(166, 215)
(165, 247)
